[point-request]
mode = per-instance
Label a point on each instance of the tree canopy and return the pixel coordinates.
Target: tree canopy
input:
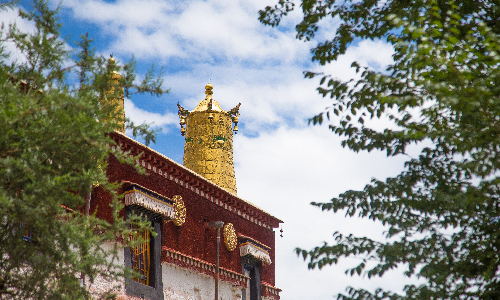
(441, 92)
(54, 146)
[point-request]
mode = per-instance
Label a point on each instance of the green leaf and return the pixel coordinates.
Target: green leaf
(440, 93)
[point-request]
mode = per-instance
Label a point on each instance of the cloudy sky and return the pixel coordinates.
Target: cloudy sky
(282, 164)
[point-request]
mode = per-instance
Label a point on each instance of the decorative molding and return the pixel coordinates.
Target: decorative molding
(255, 249)
(173, 257)
(270, 292)
(136, 196)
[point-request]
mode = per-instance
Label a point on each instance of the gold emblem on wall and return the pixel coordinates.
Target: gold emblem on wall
(180, 211)
(230, 237)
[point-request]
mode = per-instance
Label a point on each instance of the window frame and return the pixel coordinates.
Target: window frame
(153, 291)
(252, 267)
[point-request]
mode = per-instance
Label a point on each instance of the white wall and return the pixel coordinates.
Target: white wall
(183, 284)
(100, 286)
(178, 284)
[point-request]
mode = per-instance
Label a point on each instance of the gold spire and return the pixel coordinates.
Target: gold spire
(118, 97)
(208, 90)
(208, 103)
(208, 148)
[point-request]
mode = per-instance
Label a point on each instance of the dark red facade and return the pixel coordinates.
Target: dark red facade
(204, 202)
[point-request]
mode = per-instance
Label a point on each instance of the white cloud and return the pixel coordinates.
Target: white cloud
(133, 27)
(374, 54)
(282, 172)
(10, 17)
(155, 120)
(269, 96)
(228, 29)
(200, 30)
(132, 13)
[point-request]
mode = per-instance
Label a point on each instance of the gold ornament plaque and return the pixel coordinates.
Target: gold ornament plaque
(180, 211)
(230, 237)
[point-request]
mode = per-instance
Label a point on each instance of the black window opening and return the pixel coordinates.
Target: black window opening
(251, 268)
(145, 259)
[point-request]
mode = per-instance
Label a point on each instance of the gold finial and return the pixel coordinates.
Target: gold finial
(112, 62)
(208, 90)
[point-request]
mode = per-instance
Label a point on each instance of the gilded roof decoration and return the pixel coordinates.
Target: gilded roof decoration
(208, 131)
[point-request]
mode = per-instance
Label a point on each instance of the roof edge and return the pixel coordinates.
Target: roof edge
(199, 177)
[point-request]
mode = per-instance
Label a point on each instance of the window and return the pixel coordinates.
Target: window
(141, 256)
(251, 268)
(253, 255)
(145, 258)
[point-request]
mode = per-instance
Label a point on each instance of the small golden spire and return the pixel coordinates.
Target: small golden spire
(115, 96)
(208, 90)
(112, 62)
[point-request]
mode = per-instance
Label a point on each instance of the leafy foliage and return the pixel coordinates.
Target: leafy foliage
(53, 150)
(441, 212)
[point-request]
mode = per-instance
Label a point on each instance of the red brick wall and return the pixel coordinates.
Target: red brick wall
(193, 238)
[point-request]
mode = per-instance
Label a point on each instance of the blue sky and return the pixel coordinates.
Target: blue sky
(282, 164)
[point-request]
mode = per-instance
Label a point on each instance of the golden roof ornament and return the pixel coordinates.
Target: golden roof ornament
(208, 131)
(116, 97)
(208, 90)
